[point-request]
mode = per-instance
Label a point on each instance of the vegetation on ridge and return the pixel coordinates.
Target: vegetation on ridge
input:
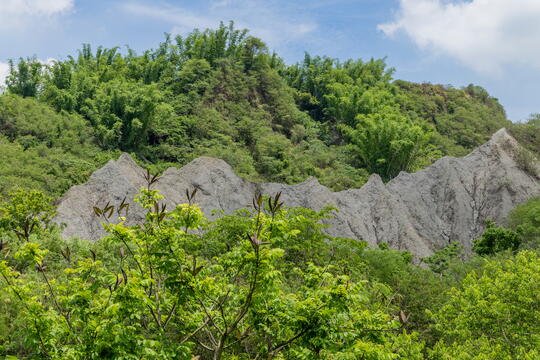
(221, 93)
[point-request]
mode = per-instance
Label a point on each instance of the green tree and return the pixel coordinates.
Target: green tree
(440, 260)
(493, 315)
(26, 213)
(496, 239)
(44, 150)
(25, 78)
(123, 114)
(525, 218)
(463, 118)
(158, 299)
(387, 144)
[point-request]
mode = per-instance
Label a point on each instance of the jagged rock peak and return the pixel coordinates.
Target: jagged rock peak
(420, 212)
(502, 136)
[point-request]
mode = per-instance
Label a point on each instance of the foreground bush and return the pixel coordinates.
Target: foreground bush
(495, 315)
(160, 295)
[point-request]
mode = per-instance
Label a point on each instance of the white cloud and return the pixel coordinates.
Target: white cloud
(177, 17)
(18, 12)
(274, 25)
(485, 35)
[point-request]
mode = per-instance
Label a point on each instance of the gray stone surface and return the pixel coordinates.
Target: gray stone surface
(420, 212)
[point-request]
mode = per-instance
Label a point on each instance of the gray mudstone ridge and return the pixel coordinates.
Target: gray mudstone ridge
(420, 212)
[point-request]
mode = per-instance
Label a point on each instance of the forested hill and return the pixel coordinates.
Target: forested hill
(222, 93)
(261, 278)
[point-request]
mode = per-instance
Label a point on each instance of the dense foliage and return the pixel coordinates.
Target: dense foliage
(526, 220)
(261, 283)
(495, 315)
(221, 93)
(265, 282)
(42, 149)
(528, 133)
(496, 239)
(164, 295)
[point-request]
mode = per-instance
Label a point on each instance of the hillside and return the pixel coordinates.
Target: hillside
(221, 93)
(240, 208)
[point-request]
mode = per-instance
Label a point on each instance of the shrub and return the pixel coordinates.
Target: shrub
(527, 162)
(496, 239)
(525, 218)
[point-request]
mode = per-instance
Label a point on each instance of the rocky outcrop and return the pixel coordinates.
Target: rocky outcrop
(420, 212)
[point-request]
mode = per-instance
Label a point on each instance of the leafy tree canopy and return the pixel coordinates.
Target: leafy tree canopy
(222, 93)
(496, 239)
(494, 315)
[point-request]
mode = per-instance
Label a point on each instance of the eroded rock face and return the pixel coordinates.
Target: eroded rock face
(420, 212)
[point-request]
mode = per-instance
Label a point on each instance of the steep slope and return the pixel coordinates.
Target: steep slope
(419, 212)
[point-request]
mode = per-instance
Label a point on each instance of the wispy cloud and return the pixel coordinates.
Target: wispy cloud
(178, 17)
(275, 25)
(14, 13)
(484, 35)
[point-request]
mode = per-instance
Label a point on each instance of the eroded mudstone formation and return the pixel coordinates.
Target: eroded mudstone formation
(420, 212)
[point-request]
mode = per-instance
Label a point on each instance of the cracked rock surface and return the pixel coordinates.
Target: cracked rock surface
(420, 212)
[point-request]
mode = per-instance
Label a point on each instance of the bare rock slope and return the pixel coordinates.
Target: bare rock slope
(420, 212)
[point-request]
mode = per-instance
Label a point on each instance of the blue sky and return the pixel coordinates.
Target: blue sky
(492, 43)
